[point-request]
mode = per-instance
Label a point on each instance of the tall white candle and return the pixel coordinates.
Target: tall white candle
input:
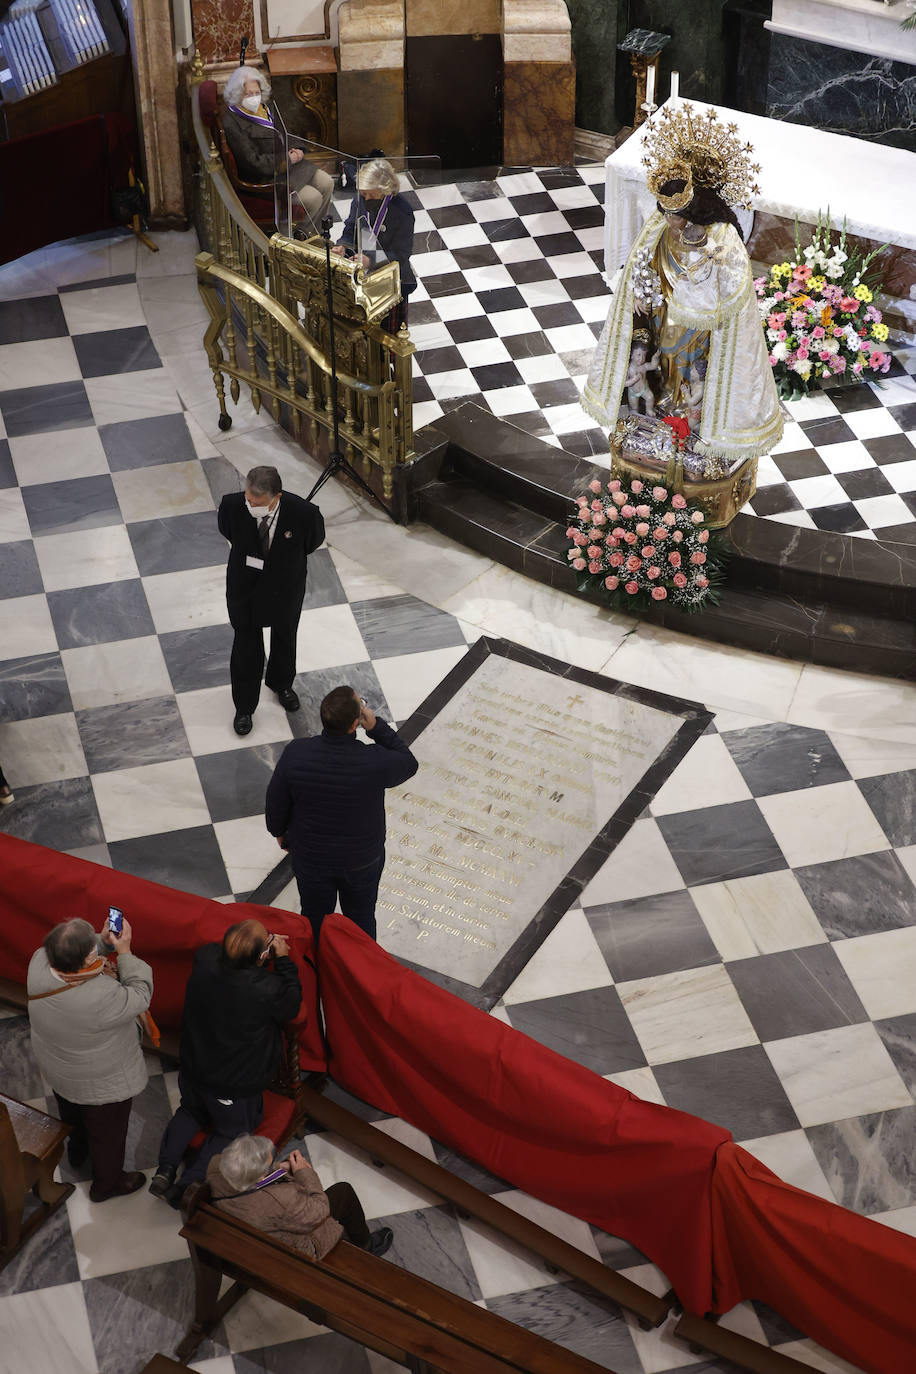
(674, 85)
(650, 84)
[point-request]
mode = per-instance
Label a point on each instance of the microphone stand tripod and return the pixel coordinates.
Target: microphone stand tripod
(336, 461)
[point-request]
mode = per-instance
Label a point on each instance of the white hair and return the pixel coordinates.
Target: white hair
(378, 175)
(234, 89)
(245, 1160)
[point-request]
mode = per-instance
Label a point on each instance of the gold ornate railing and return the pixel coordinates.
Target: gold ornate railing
(269, 327)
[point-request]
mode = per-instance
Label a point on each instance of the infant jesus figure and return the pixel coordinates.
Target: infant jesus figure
(637, 382)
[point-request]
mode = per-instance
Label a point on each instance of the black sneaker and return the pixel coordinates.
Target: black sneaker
(380, 1241)
(162, 1180)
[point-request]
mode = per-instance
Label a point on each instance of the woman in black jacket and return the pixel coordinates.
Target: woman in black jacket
(380, 228)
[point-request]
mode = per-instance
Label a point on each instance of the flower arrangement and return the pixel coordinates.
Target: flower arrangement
(819, 314)
(640, 544)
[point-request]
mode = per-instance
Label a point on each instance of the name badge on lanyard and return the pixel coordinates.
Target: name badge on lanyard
(252, 562)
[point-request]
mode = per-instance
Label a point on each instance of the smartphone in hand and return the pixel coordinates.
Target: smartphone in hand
(115, 920)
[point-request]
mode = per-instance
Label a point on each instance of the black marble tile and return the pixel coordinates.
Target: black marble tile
(585, 443)
(493, 376)
(532, 422)
(796, 992)
(422, 391)
(476, 255)
(20, 574)
(144, 443)
(187, 859)
(135, 1315)
(177, 542)
(557, 245)
(480, 189)
(59, 815)
(805, 462)
(130, 734)
(577, 361)
(323, 586)
(45, 409)
(447, 216)
(842, 519)
(827, 430)
(501, 298)
(423, 312)
(109, 351)
(533, 345)
(558, 391)
(899, 1036)
(849, 399)
(33, 686)
(589, 284)
(717, 843)
(314, 686)
(475, 327)
(8, 477)
(535, 269)
(892, 797)
(149, 1116)
(234, 782)
(35, 317)
(329, 1353)
(19, 1071)
(446, 284)
(868, 1160)
(649, 936)
(575, 1317)
(870, 482)
(101, 614)
(47, 1259)
(393, 625)
(557, 315)
(80, 503)
(559, 178)
(737, 1089)
(197, 659)
(905, 415)
(784, 758)
(428, 1242)
(775, 1327)
(469, 1171)
(502, 230)
(584, 216)
(891, 448)
(445, 359)
(616, 1253)
(222, 477)
(861, 895)
(775, 499)
(590, 1028)
(533, 203)
(428, 241)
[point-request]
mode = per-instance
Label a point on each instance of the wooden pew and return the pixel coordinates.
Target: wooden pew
(31, 1144)
(374, 1302)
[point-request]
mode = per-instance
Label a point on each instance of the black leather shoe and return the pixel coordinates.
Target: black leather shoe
(242, 723)
(129, 1184)
(288, 699)
(380, 1241)
(162, 1180)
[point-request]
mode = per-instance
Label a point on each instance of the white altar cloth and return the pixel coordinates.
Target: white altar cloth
(802, 171)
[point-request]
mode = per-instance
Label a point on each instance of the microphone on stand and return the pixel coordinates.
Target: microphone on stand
(242, 50)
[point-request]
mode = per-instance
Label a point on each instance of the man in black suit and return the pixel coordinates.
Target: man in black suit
(272, 532)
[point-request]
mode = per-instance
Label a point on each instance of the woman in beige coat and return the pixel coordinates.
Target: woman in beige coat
(86, 1040)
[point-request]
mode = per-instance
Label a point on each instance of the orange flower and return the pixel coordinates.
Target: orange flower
(826, 315)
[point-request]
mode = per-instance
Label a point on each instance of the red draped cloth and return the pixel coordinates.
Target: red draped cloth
(720, 1225)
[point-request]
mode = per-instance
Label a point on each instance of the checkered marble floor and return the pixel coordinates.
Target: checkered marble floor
(748, 953)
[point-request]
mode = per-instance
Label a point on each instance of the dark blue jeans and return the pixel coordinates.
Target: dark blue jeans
(320, 885)
(199, 1111)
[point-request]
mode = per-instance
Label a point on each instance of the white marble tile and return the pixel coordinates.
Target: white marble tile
(685, 1014)
(45, 749)
(85, 558)
(424, 563)
(855, 704)
(192, 378)
(26, 277)
(362, 583)
(882, 969)
(177, 251)
(818, 824)
(907, 857)
(166, 489)
(132, 395)
(105, 1239)
(202, 445)
(46, 1330)
(328, 637)
(569, 960)
(244, 417)
(382, 1191)
(76, 260)
(868, 424)
(14, 523)
(150, 799)
(757, 915)
(38, 362)
(248, 851)
(188, 599)
(25, 627)
(207, 719)
(257, 1321)
(640, 866)
(407, 679)
(808, 1352)
(224, 1364)
(74, 453)
(900, 1219)
(658, 1349)
(707, 776)
(122, 670)
(720, 677)
(572, 1229)
(505, 603)
(790, 1157)
(288, 900)
(641, 1083)
(833, 1074)
(408, 1135)
(103, 307)
(501, 1265)
(866, 757)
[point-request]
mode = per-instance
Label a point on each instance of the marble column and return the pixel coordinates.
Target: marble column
(539, 84)
(597, 27)
(155, 81)
(370, 84)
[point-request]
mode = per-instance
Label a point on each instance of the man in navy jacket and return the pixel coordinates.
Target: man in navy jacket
(271, 533)
(326, 805)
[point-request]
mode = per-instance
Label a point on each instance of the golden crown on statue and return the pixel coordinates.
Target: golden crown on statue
(682, 144)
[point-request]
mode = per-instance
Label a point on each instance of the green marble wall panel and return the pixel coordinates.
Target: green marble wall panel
(696, 50)
(597, 27)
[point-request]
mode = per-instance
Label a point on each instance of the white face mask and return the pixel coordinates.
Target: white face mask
(252, 103)
(258, 512)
